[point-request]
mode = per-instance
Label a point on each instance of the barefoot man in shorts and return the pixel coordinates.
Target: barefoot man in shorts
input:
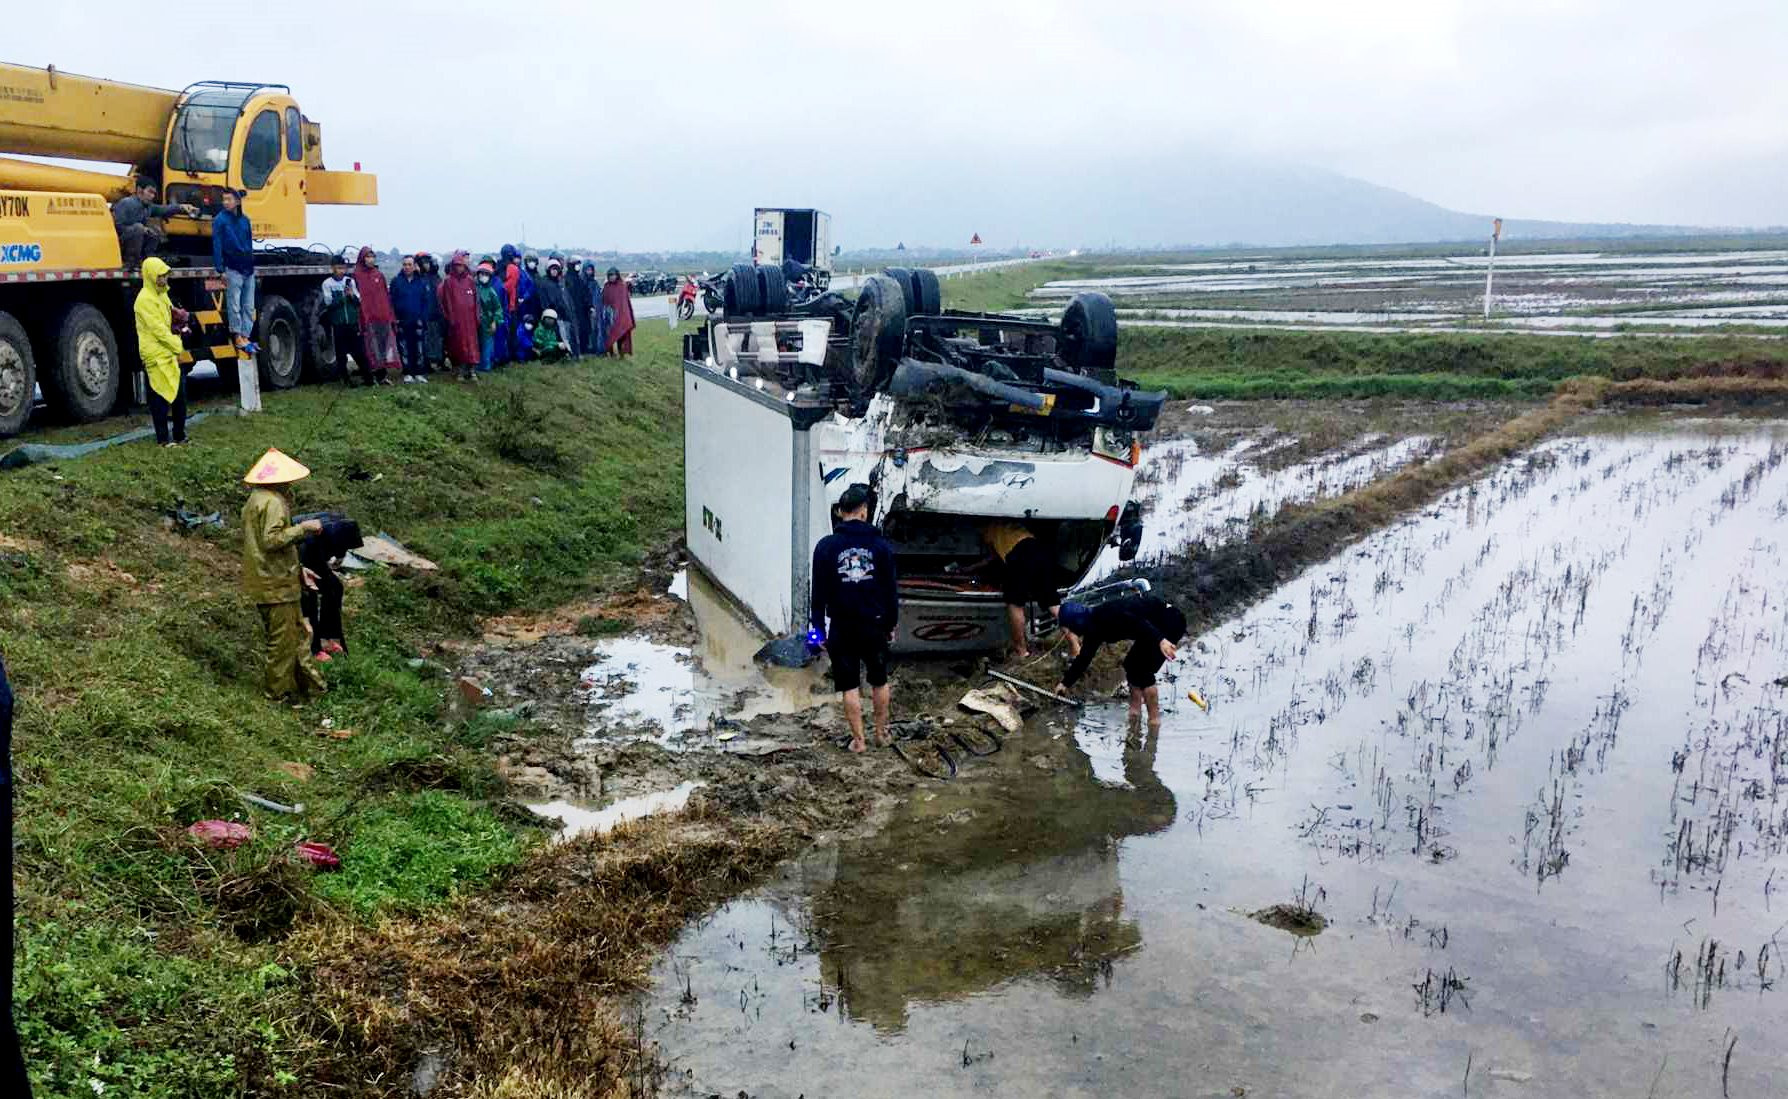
(853, 585)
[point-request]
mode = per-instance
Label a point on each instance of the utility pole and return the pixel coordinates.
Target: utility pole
(1490, 268)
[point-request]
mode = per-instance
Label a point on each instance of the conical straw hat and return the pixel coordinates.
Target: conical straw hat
(274, 468)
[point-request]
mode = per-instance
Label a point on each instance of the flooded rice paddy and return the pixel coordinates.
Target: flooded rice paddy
(1576, 293)
(1525, 754)
(1189, 496)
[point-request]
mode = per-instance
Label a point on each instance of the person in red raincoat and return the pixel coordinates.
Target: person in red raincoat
(458, 296)
(619, 302)
(378, 324)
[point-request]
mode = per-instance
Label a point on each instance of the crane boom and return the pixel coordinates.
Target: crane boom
(44, 112)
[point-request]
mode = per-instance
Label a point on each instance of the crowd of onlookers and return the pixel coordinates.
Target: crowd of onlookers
(467, 319)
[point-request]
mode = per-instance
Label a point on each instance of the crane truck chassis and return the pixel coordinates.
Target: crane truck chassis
(66, 299)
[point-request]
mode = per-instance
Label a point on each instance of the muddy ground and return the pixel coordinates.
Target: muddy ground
(572, 743)
(587, 731)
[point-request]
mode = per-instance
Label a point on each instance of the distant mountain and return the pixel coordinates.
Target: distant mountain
(1168, 200)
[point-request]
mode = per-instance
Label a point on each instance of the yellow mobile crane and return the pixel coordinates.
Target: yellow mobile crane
(65, 300)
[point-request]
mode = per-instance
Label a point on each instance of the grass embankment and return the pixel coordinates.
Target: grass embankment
(147, 966)
(1005, 288)
(1215, 364)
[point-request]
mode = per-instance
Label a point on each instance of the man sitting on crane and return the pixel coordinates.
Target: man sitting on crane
(134, 216)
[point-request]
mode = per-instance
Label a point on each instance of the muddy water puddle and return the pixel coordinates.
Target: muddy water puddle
(1525, 754)
(680, 696)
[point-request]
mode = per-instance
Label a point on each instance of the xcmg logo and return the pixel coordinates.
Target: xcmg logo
(21, 253)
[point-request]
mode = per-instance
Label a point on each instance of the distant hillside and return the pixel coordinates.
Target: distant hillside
(1168, 201)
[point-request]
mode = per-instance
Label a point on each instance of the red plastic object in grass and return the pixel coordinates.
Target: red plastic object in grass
(319, 855)
(220, 833)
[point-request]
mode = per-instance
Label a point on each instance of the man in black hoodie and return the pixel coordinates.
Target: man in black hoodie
(1155, 627)
(854, 585)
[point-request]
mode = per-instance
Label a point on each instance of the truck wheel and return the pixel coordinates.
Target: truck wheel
(928, 293)
(919, 286)
(903, 278)
(281, 337)
(1088, 342)
(321, 363)
(84, 375)
(878, 336)
(741, 291)
(772, 291)
(18, 376)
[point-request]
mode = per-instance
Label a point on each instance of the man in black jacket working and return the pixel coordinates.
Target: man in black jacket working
(1155, 627)
(854, 585)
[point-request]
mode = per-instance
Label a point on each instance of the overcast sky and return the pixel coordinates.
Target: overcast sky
(661, 125)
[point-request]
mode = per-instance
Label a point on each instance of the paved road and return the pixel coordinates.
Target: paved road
(658, 305)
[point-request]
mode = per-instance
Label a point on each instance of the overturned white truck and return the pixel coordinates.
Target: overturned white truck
(954, 419)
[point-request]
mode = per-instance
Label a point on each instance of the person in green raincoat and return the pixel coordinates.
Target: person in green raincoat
(490, 314)
(160, 350)
(272, 576)
(549, 342)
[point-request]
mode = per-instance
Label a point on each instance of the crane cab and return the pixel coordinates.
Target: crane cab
(250, 137)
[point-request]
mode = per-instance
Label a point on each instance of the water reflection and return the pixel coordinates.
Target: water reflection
(964, 895)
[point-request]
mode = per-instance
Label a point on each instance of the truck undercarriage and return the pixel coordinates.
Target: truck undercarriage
(954, 419)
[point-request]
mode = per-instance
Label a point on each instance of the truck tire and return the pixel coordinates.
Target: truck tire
(85, 372)
(741, 291)
(281, 337)
(772, 291)
(321, 363)
(928, 293)
(1088, 341)
(18, 375)
(878, 336)
(903, 277)
(919, 286)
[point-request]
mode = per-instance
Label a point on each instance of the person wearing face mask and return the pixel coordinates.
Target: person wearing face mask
(529, 289)
(411, 300)
(619, 301)
(598, 320)
(434, 327)
(378, 324)
(554, 299)
(457, 299)
(577, 322)
(490, 315)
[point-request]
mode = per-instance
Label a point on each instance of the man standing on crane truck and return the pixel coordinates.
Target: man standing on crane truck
(233, 254)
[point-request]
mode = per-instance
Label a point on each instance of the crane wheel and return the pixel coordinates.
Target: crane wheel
(18, 376)
(323, 362)
(281, 337)
(84, 376)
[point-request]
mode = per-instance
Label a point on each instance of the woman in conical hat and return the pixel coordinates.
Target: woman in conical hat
(272, 576)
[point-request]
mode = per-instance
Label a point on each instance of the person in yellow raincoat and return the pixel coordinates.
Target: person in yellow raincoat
(272, 575)
(160, 349)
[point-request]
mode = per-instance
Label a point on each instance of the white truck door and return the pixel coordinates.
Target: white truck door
(822, 240)
(767, 237)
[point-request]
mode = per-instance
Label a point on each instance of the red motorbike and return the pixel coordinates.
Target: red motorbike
(686, 295)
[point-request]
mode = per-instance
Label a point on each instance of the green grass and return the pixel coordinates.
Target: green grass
(1226, 364)
(1005, 287)
(148, 965)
